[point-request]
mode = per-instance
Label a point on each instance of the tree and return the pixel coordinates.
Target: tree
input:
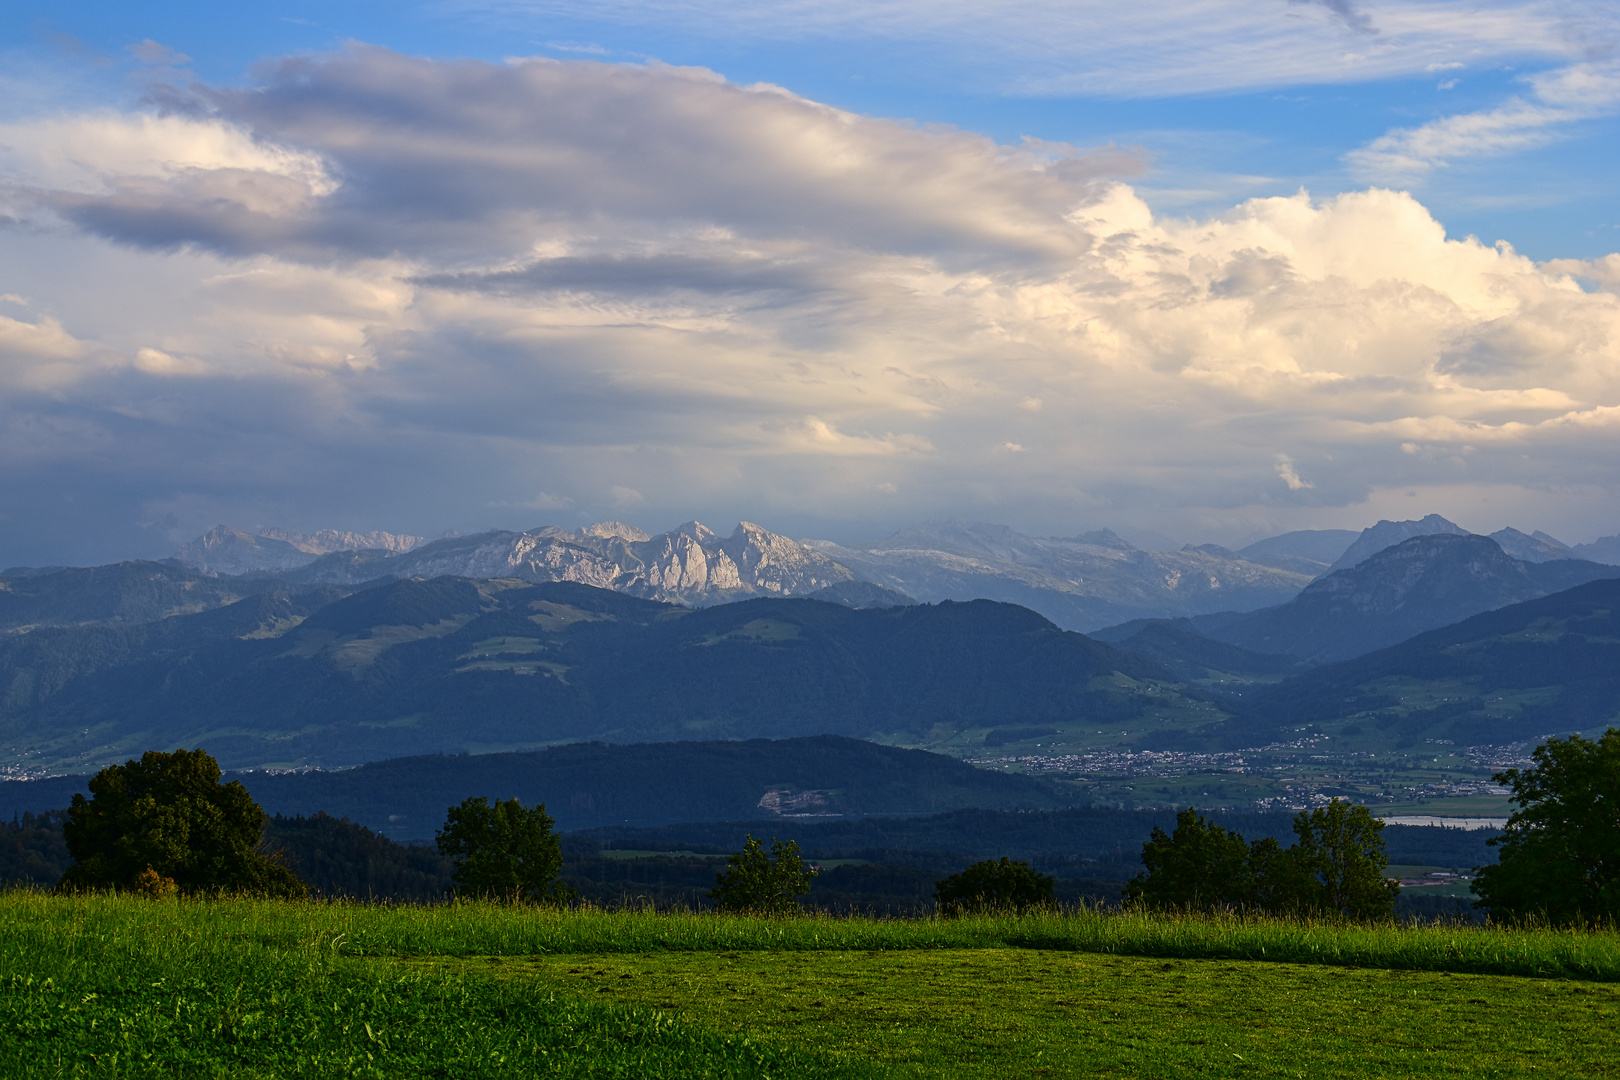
(1200, 867)
(770, 883)
(994, 886)
(1560, 853)
(506, 850)
(1337, 865)
(167, 819)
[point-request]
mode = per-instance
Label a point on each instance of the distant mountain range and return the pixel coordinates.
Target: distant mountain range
(689, 564)
(336, 676)
(224, 550)
(1309, 551)
(1083, 582)
(365, 653)
(1079, 582)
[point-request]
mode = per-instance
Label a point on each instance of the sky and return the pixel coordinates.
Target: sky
(1198, 271)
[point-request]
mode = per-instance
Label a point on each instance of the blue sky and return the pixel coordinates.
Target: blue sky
(899, 337)
(1211, 138)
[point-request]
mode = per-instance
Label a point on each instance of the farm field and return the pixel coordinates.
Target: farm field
(123, 987)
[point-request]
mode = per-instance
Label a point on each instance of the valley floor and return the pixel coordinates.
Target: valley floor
(121, 987)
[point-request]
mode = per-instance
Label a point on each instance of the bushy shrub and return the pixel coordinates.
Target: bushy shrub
(1336, 866)
(168, 818)
(1200, 866)
(506, 850)
(765, 882)
(993, 885)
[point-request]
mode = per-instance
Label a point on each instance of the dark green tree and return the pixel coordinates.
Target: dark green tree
(1336, 865)
(506, 850)
(1281, 885)
(759, 881)
(1560, 853)
(167, 818)
(1200, 867)
(994, 886)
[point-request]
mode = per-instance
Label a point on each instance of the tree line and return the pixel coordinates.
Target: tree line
(165, 825)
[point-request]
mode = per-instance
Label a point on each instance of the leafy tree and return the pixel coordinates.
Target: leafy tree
(1201, 866)
(1560, 853)
(1337, 865)
(991, 886)
(1281, 885)
(504, 850)
(165, 823)
(768, 882)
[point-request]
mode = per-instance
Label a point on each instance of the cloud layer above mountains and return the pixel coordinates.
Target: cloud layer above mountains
(371, 291)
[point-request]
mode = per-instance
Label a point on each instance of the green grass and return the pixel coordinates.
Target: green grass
(116, 986)
(1014, 1013)
(130, 988)
(496, 930)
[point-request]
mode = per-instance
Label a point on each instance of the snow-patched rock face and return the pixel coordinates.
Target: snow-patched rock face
(224, 550)
(326, 541)
(690, 564)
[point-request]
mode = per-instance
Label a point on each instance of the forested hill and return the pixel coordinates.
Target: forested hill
(1417, 585)
(1549, 665)
(452, 665)
(124, 593)
(589, 785)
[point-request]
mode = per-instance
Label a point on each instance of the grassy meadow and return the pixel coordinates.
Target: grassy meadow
(122, 987)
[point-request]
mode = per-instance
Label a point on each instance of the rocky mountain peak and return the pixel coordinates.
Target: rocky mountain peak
(1536, 547)
(1386, 534)
(610, 529)
(697, 531)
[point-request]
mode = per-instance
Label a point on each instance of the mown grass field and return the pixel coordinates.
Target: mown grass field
(116, 987)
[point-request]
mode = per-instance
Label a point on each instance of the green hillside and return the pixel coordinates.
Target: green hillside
(124, 593)
(458, 666)
(1546, 666)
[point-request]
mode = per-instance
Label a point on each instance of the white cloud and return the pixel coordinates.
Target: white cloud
(1287, 474)
(699, 299)
(1099, 47)
(1557, 99)
(41, 355)
(157, 362)
(105, 152)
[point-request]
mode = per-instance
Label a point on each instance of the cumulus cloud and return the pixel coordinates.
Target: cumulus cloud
(409, 289)
(41, 355)
(1289, 476)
